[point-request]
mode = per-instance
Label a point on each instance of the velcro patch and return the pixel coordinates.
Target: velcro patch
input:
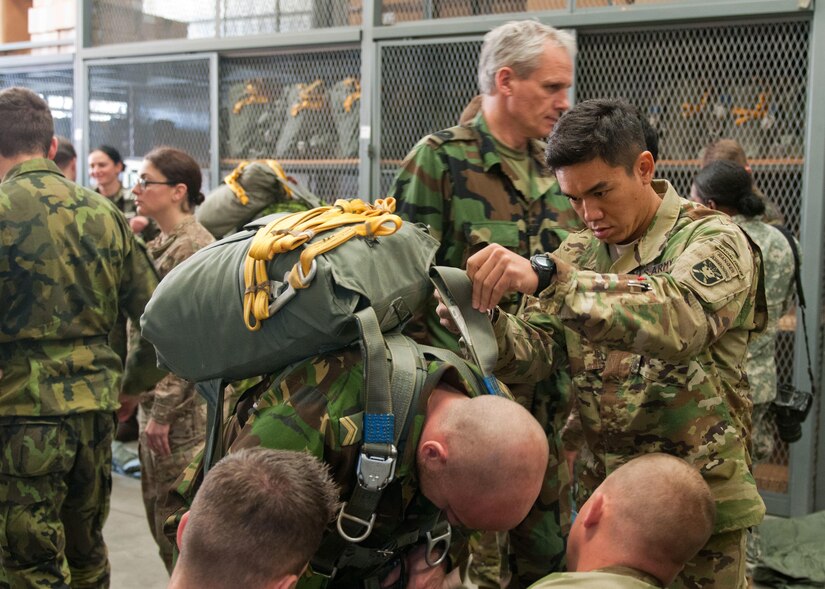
(710, 272)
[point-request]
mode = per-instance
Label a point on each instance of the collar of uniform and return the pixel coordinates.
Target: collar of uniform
(118, 198)
(490, 156)
(654, 239)
(38, 164)
(631, 572)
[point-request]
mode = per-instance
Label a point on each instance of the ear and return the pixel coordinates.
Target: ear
(504, 80)
(645, 166)
(179, 195)
(432, 453)
(52, 148)
(594, 512)
(709, 203)
(179, 537)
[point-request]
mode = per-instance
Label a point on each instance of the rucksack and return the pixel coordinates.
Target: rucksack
(248, 192)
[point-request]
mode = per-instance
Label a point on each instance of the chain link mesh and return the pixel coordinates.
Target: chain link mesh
(56, 86)
(301, 108)
(136, 107)
(424, 88)
(124, 21)
(746, 82)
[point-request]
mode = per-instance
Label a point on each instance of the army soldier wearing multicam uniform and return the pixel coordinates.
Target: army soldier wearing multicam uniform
(68, 264)
(486, 182)
(653, 307)
(453, 435)
(624, 538)
(172, 416)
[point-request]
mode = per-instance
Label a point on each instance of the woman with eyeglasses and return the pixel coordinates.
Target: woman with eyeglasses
(172, 416)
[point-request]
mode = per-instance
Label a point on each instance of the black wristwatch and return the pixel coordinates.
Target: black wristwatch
(545, 267)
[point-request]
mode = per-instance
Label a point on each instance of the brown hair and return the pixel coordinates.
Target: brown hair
(259, 515)
(65, 152)
(26, 124)
(725, 149)
(179, 167)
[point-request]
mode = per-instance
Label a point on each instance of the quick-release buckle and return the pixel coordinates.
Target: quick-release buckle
(376, 472)
(433, 544)
(283, 292)
(367, 525)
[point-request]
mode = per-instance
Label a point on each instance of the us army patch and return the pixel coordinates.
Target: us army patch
(708, 272)
(658, 268)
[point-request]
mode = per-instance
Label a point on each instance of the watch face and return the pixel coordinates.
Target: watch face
(542, 261)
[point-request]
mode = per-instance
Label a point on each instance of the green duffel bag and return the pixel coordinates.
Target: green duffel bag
(224, 315)
(251, 189)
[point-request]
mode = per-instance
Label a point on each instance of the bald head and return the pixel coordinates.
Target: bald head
(656, 512)
(482, 460)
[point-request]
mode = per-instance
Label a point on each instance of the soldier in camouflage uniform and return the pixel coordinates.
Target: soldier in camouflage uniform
(453, 435)
(68, 264)
(653, 308)
(172, 416)
(484, 182)
(626, 539)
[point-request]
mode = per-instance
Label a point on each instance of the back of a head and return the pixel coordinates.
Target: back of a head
(259, 516)
(725, 149)
(603, 128)
(498, 450)
(730, 186)
(662, 508)
(65, 152)
(518, 45)
(26, 124)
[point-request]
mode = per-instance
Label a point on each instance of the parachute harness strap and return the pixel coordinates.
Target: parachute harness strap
(262, 297)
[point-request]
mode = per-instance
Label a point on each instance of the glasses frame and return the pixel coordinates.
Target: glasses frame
(143, 183)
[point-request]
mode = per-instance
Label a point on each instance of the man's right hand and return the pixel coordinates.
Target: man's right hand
(496, 271)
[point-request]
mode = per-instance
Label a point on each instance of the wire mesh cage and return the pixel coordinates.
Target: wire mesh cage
(745, 82)
(301, 108)
(55, 85)
(135, 107)
(424, 88)
(124, 21)
(395, 11)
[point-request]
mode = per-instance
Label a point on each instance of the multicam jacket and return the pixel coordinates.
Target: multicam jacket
(656, 342)
(68, 264)
(778, 265)
(173, 396)
(316, 406)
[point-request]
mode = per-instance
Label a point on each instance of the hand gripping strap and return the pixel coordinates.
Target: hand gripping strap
(478, 338)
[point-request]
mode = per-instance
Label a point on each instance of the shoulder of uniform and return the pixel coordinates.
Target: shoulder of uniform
(457, 133)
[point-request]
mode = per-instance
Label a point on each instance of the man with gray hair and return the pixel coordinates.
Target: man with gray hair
(484, 182)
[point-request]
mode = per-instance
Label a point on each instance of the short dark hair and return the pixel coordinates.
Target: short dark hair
(259, 515)
(179, 167)
(26, 124)
(729, 185)
(603, 128)
(110, 152)
(651, 136)
(65, 152)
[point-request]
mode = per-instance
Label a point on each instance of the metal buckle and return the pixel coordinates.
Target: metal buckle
(342, 515)
(284, 291)
(432, 544)
(376, 472)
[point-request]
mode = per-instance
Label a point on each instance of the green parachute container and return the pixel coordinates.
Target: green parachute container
(252, 190)
(388, 272)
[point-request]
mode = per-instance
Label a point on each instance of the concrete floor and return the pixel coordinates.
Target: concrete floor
(133, 554)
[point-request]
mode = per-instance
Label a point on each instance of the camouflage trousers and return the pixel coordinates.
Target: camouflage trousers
(158, 474)
(55, 485)
(719, 565)
(762, 442)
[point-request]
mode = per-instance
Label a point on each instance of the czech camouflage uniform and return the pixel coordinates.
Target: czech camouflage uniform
(68, 264)
(458, 183)
(613, 577)
(317, 406)
(173, 401)
(656, 341)
(778, 266)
